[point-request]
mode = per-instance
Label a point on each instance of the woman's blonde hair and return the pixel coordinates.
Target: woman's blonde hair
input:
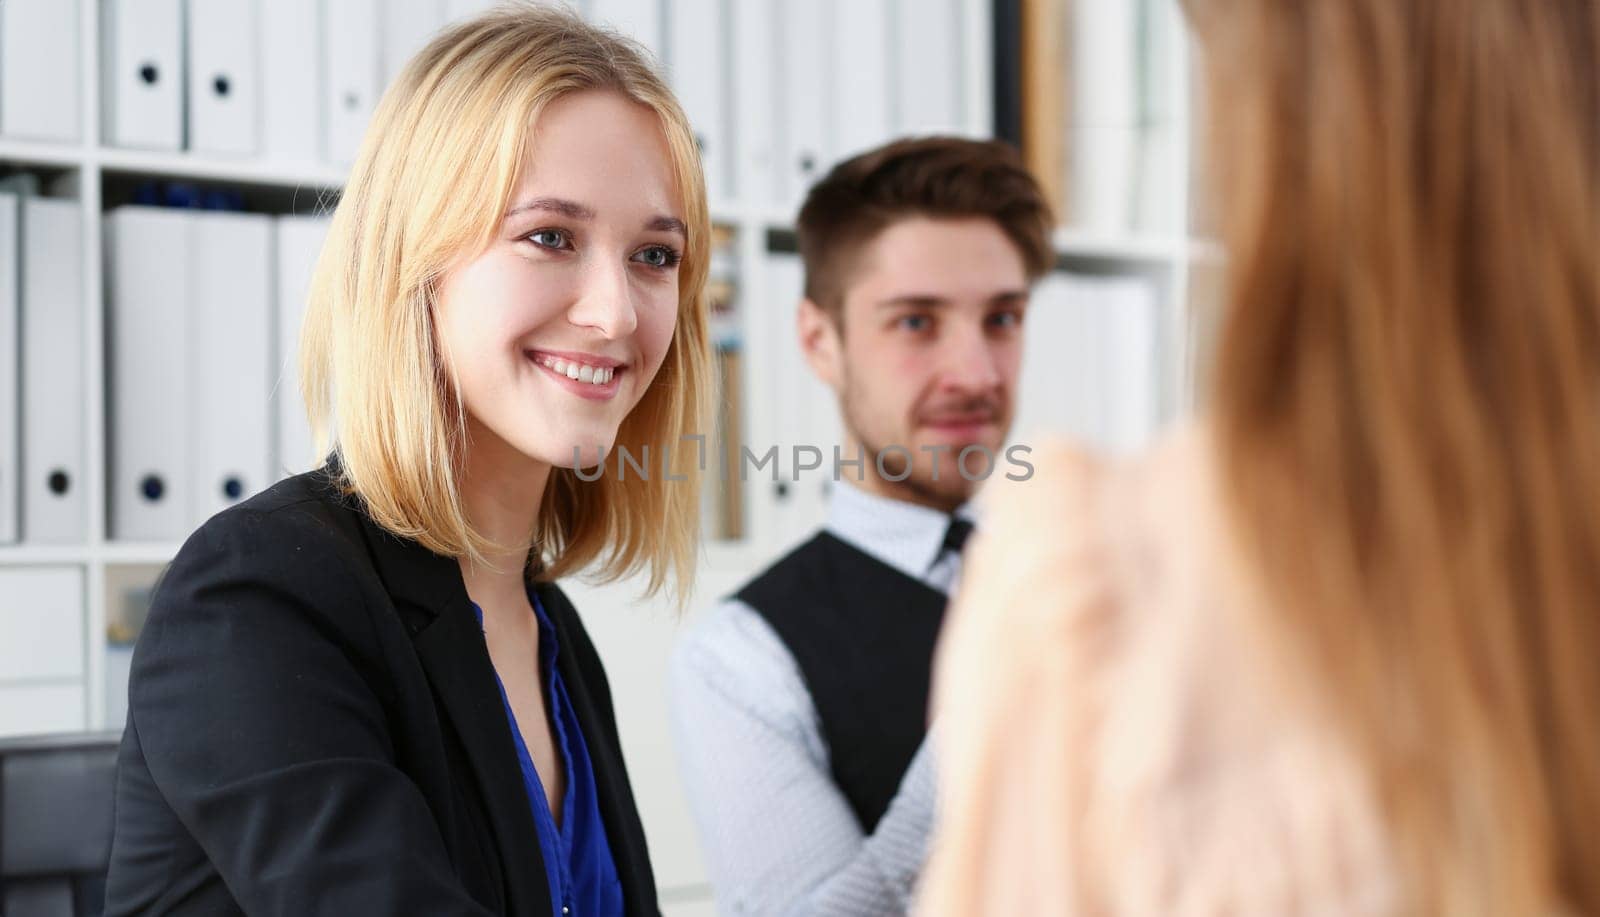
(1407, 398)
(435, 173)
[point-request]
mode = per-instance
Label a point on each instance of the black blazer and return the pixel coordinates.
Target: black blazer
(314, 728)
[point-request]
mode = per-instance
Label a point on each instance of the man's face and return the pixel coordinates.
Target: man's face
(928, 354)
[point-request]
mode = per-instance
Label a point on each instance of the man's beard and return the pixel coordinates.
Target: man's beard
(950, 490)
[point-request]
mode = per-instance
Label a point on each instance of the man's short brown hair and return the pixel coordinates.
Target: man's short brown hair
(938, 177)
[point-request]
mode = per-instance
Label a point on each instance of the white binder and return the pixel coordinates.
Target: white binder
(147, 250)
(809, 417)
(1160, 178)
(42, 633)
(54, 505)
(1161, 162)
(41, 623)
(807, 73)
(407, 26)
(1104, 190)
(292, 61)
(142, 71)
(230, 321)
(224, 76)
(755, 94)
(759, 397)
(861, 103)
(119, 671)
(640, 20)
(299, 242)
(352, 88)
(930, 65)
(1091, 367)
(35, 708)
(1135, 344)
(1105, 106)
(1104, 64)
(698, 45)
(40, 86)
(10, 454)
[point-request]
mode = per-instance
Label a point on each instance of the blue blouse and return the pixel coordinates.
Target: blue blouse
(577, 856)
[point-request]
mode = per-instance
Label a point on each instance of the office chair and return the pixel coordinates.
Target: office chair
(55, 824)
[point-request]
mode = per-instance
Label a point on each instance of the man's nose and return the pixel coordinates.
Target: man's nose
(970, 363)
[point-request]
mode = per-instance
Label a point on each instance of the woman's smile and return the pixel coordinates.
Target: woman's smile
(585, 375)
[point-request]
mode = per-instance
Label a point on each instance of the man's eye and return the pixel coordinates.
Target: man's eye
(1005, 319)
(914, 322)
(548, 238)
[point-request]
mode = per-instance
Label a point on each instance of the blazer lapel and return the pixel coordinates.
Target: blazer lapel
(617, 808)
(429, 592)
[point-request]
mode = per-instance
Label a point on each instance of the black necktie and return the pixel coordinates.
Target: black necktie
(955, 537)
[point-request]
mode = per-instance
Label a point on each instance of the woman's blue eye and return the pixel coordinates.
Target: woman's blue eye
(659, 256)
(548, 238)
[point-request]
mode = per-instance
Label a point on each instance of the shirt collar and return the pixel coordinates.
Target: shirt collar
(906, 536)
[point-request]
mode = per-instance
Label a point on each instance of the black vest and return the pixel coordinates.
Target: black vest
(863, 635)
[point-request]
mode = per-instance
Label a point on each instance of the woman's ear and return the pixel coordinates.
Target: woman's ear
(820, 341)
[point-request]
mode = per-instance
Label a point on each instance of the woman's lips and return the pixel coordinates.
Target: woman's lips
(561, 370)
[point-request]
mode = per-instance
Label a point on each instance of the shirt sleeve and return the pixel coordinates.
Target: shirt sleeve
(779, 836)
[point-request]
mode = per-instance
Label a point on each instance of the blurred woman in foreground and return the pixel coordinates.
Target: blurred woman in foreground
(1333, 649)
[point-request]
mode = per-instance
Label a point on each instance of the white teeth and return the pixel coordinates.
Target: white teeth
(579, 372)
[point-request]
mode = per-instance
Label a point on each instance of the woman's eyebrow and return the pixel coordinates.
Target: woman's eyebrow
(667, 224)
(560, 206)
(576, 211)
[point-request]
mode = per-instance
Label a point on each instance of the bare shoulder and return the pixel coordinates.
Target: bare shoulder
(1083, 541)
(1035, 563)
(1031, 513)
(1069, 492)
(1053, 467)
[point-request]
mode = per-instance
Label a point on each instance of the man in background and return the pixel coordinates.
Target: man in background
(799, 705)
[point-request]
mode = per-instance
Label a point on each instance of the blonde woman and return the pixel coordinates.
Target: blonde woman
(1332, 651)
(361, 692)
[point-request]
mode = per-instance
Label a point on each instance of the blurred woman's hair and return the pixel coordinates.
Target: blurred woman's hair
(1407, 402)
(434, 176)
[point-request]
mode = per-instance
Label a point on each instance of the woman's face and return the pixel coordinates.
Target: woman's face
(556, 330)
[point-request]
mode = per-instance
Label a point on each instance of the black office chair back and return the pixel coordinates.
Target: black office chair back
(55, 824)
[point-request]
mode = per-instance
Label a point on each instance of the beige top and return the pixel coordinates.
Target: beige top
(1112, 736)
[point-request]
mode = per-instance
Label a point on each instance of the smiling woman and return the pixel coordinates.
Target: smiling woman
(361, 691)
(498, 162)
(582, 280)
